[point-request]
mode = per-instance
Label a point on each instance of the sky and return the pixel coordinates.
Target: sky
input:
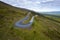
(36, 5)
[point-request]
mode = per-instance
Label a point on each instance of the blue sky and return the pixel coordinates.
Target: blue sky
(36, 5)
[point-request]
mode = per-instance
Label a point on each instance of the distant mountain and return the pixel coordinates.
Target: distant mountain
(52, 13)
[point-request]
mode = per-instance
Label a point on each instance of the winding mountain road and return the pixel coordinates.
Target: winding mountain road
(20, 22)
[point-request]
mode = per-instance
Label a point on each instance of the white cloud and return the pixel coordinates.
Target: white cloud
(47, 0)
(37, 2)
(27, 2)
(36, 5)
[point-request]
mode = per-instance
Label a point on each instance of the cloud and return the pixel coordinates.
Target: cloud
(36, 5)
(47, 0)
(27, 2)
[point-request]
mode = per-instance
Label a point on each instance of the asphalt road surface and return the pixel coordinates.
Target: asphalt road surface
(20, 22)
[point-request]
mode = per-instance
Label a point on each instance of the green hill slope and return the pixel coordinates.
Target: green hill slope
(43, 28)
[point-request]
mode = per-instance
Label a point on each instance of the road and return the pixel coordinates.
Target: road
(20, 22)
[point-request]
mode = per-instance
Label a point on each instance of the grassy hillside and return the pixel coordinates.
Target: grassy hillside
(55, 17)
(43, 28)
